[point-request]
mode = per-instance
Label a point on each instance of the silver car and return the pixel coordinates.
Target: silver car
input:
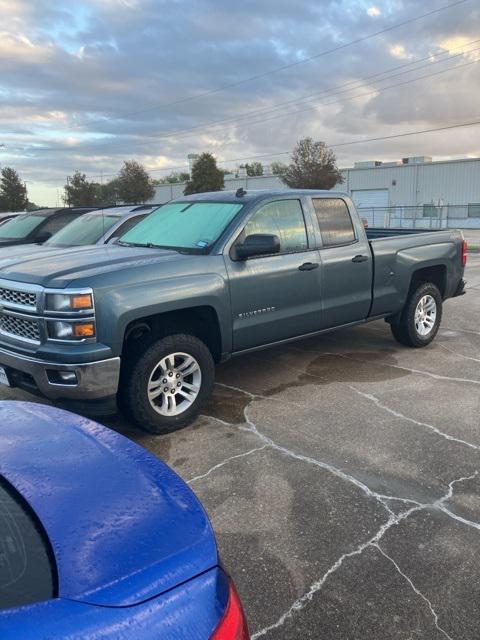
(100, 227)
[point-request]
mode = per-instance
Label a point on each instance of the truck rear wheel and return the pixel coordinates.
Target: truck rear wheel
(420, 318)
(167, 383)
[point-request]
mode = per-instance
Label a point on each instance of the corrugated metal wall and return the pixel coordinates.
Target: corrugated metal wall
(166, 192)
(454, 182)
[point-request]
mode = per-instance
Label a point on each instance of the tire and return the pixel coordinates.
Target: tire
(411, 330)
(166, 408)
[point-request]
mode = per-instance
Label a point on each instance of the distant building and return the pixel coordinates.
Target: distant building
(446, 193)
(192, 158)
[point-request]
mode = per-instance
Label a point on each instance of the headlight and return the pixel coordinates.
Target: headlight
(69, 302)
(60, 330)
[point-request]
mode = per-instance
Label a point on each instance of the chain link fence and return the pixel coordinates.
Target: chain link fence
(426, 216)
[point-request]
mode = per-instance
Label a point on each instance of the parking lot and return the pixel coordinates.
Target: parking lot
(341, 476)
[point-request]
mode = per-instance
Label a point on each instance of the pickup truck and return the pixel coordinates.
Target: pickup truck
(140, 324)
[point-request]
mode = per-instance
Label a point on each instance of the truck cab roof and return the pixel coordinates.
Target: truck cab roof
(257, 195)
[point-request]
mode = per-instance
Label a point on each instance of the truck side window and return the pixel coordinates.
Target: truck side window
(283, 218)
(334, 221)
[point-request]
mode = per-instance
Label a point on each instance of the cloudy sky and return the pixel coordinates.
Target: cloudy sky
(94, 82)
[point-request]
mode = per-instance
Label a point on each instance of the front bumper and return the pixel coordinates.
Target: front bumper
(95, 381)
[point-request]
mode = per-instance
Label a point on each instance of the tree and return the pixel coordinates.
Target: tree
(313, 166)
(107, 193)
(173, 178)
(278, 168)
(79, 192)
(206, 176)
(134, 184)
(13, 192)
(254, 169)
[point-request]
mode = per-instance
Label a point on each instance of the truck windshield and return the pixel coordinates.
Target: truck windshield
(183, 225)
(87, 229)
(20, 227)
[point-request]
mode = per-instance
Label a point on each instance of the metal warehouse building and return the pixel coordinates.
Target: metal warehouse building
(413, 192)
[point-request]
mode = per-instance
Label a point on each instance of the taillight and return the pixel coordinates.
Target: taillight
(464, 252)
(234, 624)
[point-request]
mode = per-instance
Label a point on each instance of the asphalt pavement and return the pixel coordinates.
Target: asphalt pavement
(341, 475)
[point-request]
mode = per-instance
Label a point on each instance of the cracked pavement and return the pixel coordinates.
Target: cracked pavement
(342, 476)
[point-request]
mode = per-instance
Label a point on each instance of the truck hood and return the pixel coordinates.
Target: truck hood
(57, 267)
(123, 527)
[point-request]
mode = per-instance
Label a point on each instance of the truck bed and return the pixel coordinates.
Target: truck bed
(380, 232)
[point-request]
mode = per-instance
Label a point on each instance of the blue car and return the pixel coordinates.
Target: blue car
(99, 539)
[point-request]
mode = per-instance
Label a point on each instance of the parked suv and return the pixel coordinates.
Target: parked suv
(38, 226)
(99, 227)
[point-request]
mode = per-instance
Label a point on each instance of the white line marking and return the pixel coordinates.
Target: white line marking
(419, 593)
(457, 353)
(224, 462)
(393, 519)
(397, 414)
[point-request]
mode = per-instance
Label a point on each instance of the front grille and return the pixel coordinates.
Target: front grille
(13, 296)
(20, 328)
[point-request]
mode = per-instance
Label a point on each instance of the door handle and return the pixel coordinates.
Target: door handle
(360, 259)
(308, 266)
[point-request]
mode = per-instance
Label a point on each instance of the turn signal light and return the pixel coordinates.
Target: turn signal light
(233, 625)
(83, 301)
(84, 330)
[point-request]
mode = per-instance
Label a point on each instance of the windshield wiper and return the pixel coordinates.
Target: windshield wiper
(152, 245)
(132, 244)
(147, 245)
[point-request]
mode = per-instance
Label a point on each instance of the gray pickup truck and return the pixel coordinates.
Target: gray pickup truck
(205, 277)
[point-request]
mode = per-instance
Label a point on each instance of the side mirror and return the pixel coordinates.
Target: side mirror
(43, 237)
(258, 244)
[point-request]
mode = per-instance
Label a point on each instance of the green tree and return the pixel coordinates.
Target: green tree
(134, 184)
(107, 193)
(278, 168)
(206, 176)
(173, 178)
(313, 166)
(13, 192)
(254, 169)
(79, 192)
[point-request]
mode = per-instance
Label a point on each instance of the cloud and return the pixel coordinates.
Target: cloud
(16, 50)
(89, 84)
(399, 51)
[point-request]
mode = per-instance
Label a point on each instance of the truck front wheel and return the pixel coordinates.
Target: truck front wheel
(420, 319)
(167, 383)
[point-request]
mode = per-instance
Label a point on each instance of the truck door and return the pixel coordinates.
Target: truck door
(276, 296)
(347, 264)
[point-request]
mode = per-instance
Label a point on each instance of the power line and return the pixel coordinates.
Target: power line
(340, 89)
(186, 133)
(284, 67)
(347, 98)
(283, 153)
